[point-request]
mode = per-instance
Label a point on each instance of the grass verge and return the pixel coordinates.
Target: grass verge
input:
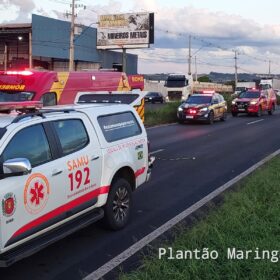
(248, 219)
(166, 114)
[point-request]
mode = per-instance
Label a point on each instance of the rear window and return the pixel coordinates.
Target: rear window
(119, 126)
(72, 135)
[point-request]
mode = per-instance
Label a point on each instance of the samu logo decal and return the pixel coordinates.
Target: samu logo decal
(36, 193)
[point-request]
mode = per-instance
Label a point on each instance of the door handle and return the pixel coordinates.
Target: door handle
(56, 172)
(95, 157)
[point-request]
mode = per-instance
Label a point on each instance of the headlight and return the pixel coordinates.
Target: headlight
(253, 102)
(233, 102)
(203, 109)
(180, 109)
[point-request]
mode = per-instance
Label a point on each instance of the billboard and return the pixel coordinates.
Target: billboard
(131, 30)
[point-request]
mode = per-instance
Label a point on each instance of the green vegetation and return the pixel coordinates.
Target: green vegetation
(166, 114)
(228, 98)
(204, 79)
(248, 219)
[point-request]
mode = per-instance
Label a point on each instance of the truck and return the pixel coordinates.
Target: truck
(58, 88)
(54, 88)
(179, 86)
(65, 167)
(270, 83)
(242, 86)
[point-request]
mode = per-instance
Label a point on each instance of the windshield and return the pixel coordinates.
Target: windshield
(199, 99)
(151, 94)
(176, 81)
(240, 88)
(11, 96)
(249, 94)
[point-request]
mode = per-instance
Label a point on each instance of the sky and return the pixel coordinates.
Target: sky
(217, 28)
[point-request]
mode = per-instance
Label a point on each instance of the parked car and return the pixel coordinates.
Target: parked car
(203, 107)
(154, 97)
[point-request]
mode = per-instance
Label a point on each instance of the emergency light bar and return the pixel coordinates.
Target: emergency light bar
(208, 91)
(24, 106)
(23, 73)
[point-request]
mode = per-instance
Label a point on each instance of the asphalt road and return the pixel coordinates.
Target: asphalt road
(196, 159)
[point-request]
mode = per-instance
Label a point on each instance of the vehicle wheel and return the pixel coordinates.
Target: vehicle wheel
(181, 122)
(271, 111)
(211, 118)
(118, 207)
(224, 117)
(259, 113)
(234, 114)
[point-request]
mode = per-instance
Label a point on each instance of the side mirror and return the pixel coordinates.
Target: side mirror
(16, 167)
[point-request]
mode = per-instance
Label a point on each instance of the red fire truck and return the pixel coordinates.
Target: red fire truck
(136, 82)
(53, 88)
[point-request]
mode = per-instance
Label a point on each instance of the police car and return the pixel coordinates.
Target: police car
(205, 106)
(64, 168)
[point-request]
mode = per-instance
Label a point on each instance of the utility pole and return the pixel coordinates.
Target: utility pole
(269, 67)
(190, 61)
(72, 32)
(195, 68)
(71, 51)
(235, 58)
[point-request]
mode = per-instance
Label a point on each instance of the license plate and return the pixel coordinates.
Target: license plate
(240, 109)
(189, 117)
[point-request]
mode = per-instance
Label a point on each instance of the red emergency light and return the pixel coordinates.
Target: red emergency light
(25, 106)
(192, 111)
(23, 73)
(208, 91)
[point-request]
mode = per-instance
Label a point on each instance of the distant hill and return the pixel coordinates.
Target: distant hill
(215, 77)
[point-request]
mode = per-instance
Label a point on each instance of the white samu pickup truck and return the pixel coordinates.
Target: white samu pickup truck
(64, 168)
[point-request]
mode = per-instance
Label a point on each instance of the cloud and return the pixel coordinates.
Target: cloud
(214, 34)
(19, 10)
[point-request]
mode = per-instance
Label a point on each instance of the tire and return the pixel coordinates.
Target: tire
(181, 121)
(270, 112)
(118, 206)
(211, 118)
(224, 117)
(259, 113)
(234, 114)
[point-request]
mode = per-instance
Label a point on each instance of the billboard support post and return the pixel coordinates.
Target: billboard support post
(5, 56)
(124, 60)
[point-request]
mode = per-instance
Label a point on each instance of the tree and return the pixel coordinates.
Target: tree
(204, 79)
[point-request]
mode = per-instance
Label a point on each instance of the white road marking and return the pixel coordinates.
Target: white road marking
(255, 121)
(116, 261)
(160, 125)
(157, 151)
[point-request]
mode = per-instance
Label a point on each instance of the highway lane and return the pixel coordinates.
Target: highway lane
(221, 152)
